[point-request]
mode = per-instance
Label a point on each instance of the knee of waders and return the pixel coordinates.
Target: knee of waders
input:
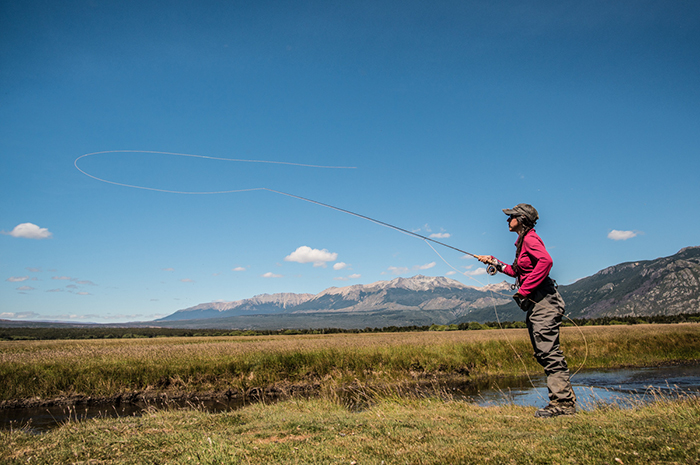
(551, 360)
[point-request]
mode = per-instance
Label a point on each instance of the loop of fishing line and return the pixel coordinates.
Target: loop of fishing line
(189, 155)
(381, 223)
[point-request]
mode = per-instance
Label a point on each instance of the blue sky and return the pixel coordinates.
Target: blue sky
(449, 112)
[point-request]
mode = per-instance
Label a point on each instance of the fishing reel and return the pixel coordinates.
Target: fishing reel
(494, 267)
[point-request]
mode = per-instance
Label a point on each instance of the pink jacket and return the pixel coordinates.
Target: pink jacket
(534, 262)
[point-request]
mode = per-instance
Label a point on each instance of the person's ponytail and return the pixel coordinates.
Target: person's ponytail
(527, 227)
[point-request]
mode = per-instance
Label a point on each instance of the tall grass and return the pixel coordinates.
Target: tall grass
(103, 368)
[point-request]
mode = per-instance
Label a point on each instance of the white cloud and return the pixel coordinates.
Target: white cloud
(34, 270)
(187, 280)
(25, 288)
(345, 278)
(22, 315)
(75, 280)
(427, 266)
(450, 273)
(67, 316)
(477, 272)
(55, 290)
(87, 316)
(168, 269)
(440, 235)
(125, 317)
(238, 268)
(270, 274)
(340, 266)
(621, 235)
(83, 293)
(398, 269)
(29, 231)
(306, 254)
(17, 279)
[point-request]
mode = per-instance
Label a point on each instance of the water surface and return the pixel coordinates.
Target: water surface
(624, 387)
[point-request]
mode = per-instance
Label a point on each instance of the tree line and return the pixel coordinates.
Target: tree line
(97, 332)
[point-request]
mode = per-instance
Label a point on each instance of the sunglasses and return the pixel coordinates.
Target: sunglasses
(512, 217)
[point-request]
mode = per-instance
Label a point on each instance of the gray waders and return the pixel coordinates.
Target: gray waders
(545, 309)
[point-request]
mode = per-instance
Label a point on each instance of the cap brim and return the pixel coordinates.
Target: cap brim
(509, 211)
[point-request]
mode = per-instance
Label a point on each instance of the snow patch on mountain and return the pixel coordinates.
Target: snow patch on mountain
(283, 300)
(416, 283)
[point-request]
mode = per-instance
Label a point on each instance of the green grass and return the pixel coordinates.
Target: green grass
(391, 431)
(103, 368)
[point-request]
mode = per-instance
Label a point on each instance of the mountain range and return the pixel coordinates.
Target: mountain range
(667, 285)
(420, 300)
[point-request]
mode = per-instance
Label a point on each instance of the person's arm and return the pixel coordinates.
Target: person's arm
(508, 269)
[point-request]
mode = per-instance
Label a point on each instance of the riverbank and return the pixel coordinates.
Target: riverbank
(391, 430)
(35, 373)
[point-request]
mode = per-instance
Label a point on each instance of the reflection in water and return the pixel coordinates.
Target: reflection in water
(41, 419)
(624, 387)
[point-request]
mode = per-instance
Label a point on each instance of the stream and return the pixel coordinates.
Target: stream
(623, 387)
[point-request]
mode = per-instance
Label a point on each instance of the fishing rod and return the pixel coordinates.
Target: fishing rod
(381, 223)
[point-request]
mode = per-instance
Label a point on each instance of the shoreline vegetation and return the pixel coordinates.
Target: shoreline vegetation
(65, 372)
(390, 424)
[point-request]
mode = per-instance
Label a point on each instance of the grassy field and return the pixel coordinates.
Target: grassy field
(388, 426)
(391, 431)
(104, 368)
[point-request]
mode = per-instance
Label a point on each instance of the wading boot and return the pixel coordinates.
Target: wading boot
(556, 409)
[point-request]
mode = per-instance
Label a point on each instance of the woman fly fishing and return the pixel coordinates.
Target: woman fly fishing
(538, 296)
